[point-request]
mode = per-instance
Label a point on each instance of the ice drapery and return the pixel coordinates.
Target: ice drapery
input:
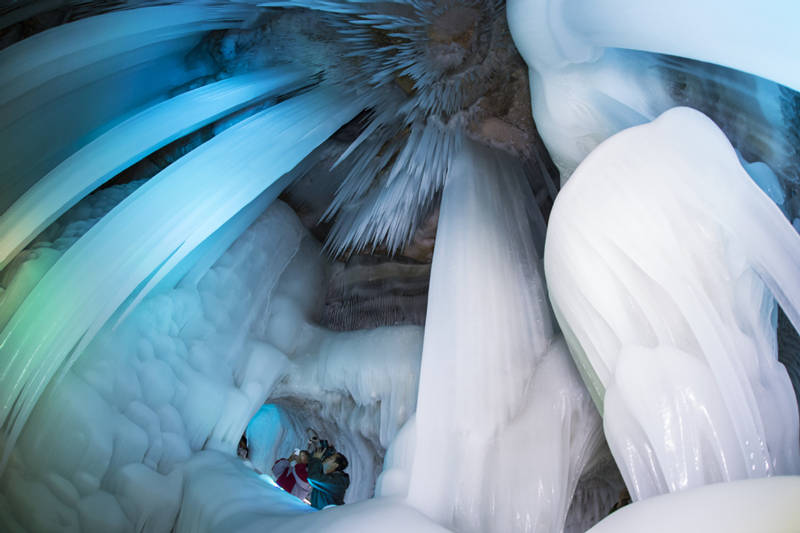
(662, 259)
(490, 357)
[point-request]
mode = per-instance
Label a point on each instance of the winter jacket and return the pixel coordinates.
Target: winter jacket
(326, 489)
(282, 470)
(302, 489)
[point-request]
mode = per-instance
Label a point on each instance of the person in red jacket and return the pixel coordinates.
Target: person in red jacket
(292, 474)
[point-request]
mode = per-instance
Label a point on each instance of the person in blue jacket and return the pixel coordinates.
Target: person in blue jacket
(327, 478)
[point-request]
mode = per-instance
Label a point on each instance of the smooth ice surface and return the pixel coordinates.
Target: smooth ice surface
(767, 505)
(590, 77)
(65, 75)
(755, 38)
(69, 47)
(662, 260)
(149, 233)
(499, 397)
(126, 143)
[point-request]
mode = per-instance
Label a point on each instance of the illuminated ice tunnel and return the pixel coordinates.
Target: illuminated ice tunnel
(521, 263)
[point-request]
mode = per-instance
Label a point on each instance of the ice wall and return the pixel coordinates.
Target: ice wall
(662, 260)
(504, 425)
(115, 444)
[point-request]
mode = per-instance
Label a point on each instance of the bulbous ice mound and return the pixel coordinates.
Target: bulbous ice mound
(765, 505)
(662, 259)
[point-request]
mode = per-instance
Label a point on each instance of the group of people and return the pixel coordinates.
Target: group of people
(316, 477)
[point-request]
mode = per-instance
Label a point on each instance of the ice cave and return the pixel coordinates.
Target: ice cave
(530, 265)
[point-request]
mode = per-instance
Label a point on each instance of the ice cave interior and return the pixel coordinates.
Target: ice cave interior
(521, 261)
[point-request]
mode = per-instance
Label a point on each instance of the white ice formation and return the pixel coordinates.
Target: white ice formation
(662, 261)
(491, 354)
(157, 301)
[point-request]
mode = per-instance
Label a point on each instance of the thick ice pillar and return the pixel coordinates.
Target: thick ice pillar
(662, 260)
(503, 423)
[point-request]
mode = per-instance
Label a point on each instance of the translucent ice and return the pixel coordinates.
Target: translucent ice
(662, 260)
(126, 143)
(136, 55)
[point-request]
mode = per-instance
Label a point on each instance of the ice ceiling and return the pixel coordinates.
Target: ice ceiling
(513, 259)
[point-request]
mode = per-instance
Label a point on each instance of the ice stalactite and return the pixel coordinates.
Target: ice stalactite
(149, 233)
(662, 260)
(498, 394)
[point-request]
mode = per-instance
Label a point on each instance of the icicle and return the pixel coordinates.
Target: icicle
(661, 254)
(126, 143)
(149, 233)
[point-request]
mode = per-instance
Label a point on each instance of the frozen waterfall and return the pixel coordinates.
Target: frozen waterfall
(662, 261)
(491, 355)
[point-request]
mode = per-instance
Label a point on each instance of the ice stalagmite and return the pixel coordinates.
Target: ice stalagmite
(662, 260)
(504, 426)
(148, 234)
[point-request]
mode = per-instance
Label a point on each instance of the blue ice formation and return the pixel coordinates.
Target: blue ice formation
(155, 294)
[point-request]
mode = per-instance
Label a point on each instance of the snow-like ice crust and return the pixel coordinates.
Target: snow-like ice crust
(115, 445)
(662, 260)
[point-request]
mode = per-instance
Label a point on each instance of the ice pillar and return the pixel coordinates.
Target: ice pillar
(662, 260)
(503, 422)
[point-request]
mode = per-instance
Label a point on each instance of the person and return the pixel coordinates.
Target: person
(327, 478)
(301, 489)
(286, 472)
(242, 451)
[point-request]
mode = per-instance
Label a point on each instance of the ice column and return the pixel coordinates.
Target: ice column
(662, 260)
(504, 424)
